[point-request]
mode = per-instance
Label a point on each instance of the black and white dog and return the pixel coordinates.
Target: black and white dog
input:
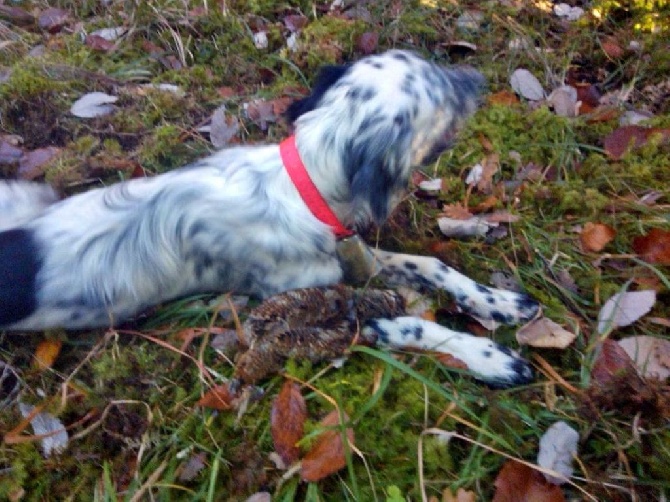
(235, 221)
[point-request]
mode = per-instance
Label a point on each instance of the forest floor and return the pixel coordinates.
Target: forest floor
(577, 166)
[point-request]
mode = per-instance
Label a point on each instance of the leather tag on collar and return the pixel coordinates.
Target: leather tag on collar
(358, 263)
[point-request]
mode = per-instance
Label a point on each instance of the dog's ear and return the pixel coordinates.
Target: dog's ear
(327, 77)
(378, 166)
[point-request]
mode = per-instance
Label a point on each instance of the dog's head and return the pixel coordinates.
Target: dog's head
(367, 124)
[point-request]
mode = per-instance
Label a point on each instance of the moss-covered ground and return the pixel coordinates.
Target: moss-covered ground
(130, 403)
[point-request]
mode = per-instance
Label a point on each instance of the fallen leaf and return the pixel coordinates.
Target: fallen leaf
(544, 333)
(287, 422)
(595, 236)
(650, 354)
(191, 467)
(654, 247)
(9, 154)
(93, 104)
(564, 101)
(218, 397)
(625, 138)
(526, 85)
(517, 482)
(473, 227)
(568, 12)
(110, 34)
(501, 216)
(431, 185)
(52, 19)
(558, 447)
(461, 496)
(612, 48)
(450, 361)
(55, 438)
(46, 353)
(295, 22)
(223, 128)
(327, 455)
(504, 98)
(367, 42)
(611, 363)
(625, 308)
(98, 43)
(490, 166)
(34, 162)
(456, 211)
(260, 497)
(16, 15)
(261, 112)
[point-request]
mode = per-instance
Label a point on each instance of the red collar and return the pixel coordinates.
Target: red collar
(307, 189)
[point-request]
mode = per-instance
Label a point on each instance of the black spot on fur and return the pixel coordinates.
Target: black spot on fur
(491, 300)
(482, 289)
(19, 264)
(326, 78)
(487, 353)
(438, 277)
(410, 265)
(401, 57)
(500, 317)
(383, 335)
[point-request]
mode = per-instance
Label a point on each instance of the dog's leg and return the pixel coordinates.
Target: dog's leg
(492, 363)
(423, 272)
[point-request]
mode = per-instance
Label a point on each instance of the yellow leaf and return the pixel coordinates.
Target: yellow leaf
(46, 353)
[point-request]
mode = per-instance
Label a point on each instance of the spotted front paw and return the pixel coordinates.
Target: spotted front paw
(506, 307)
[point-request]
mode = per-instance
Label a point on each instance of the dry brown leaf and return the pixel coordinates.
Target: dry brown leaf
(491, 165)
(98, 43)
(327, 455)
(46, 353)
(545, 333)
(612, 48)
(450, 361)
(486, 205)
(53, 19)
(517, 482)
(287, 422)
(461, 496)
(367, 42)
(650, 354)
(595, 236)
(218, 397)
(611, 363)
(501, 217)
(456, 211)
(654, 247)
(504, 98)
(631, 136)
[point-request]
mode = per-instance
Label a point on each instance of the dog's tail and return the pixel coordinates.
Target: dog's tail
(20, 201)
